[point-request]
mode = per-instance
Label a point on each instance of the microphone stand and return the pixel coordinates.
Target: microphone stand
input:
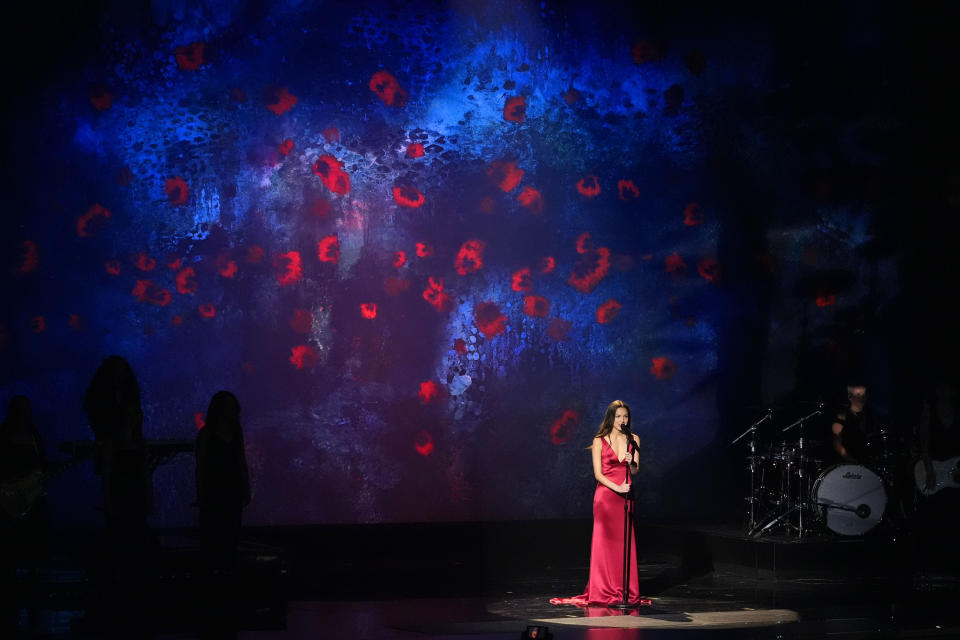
(752, 430)
(800, 461)
(627, 529)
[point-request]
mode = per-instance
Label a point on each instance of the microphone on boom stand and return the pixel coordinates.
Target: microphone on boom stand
(627, 526)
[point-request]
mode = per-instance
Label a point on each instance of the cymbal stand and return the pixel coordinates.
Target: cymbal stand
(752, 430)
(800, 463)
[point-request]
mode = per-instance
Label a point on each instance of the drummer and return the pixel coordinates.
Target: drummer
(855, 426)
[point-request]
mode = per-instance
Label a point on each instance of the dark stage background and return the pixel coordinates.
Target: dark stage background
(427, 243)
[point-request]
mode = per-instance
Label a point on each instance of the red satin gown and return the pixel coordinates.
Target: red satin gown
(605, 585)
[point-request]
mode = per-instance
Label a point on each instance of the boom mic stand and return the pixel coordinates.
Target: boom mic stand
(627, 529)
(800, 460)
(752, 430)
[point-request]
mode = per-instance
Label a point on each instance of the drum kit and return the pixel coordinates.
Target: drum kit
(794, 493)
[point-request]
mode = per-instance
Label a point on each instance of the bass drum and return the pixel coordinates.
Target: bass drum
(850, 498)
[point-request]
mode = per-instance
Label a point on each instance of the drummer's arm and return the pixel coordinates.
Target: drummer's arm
(838, 439)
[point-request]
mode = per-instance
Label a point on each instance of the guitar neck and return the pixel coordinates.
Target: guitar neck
(158, 448)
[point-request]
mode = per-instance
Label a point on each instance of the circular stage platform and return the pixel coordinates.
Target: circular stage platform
(661, 613)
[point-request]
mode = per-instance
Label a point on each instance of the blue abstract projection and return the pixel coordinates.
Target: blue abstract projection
(425, 244)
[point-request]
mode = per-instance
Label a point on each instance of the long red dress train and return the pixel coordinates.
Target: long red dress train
(605, 585)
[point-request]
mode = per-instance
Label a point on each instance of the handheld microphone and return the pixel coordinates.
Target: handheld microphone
(629, 434)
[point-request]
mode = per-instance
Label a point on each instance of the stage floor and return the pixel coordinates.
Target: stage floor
(497, 590)
(708, 607)
(715, 605)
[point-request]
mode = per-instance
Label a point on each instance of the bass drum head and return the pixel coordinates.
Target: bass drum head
(851, 498)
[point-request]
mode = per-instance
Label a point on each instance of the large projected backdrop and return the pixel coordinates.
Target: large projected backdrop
(425, 244)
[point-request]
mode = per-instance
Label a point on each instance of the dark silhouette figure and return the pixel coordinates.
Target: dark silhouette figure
(937, 473)
(23, 511)
(223, 490)
(112, 405)
(223, 481)
(21, 475)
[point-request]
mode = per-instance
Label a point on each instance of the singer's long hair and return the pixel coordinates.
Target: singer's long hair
(607, 425)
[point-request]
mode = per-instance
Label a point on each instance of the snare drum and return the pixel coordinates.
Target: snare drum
(850, 498)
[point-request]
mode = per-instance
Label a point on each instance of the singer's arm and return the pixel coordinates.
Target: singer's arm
(596, 450)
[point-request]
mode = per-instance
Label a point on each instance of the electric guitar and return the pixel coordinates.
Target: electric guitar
(159, 452)
(946, 474)
(18, 496)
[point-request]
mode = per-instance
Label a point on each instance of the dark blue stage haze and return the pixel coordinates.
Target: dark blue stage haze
(426, 244)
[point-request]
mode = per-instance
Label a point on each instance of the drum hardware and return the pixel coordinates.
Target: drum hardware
(800, 456)
(784, 452)
(862, 510)
(881, 444)
(752, 430)
(782, 489)
(782, 517)
(792, 493)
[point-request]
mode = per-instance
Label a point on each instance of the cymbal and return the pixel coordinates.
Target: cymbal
(782, 405)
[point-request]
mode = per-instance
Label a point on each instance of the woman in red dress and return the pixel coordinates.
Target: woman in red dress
(613, 465)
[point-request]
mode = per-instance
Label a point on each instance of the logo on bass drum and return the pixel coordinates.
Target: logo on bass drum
(851, 475)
